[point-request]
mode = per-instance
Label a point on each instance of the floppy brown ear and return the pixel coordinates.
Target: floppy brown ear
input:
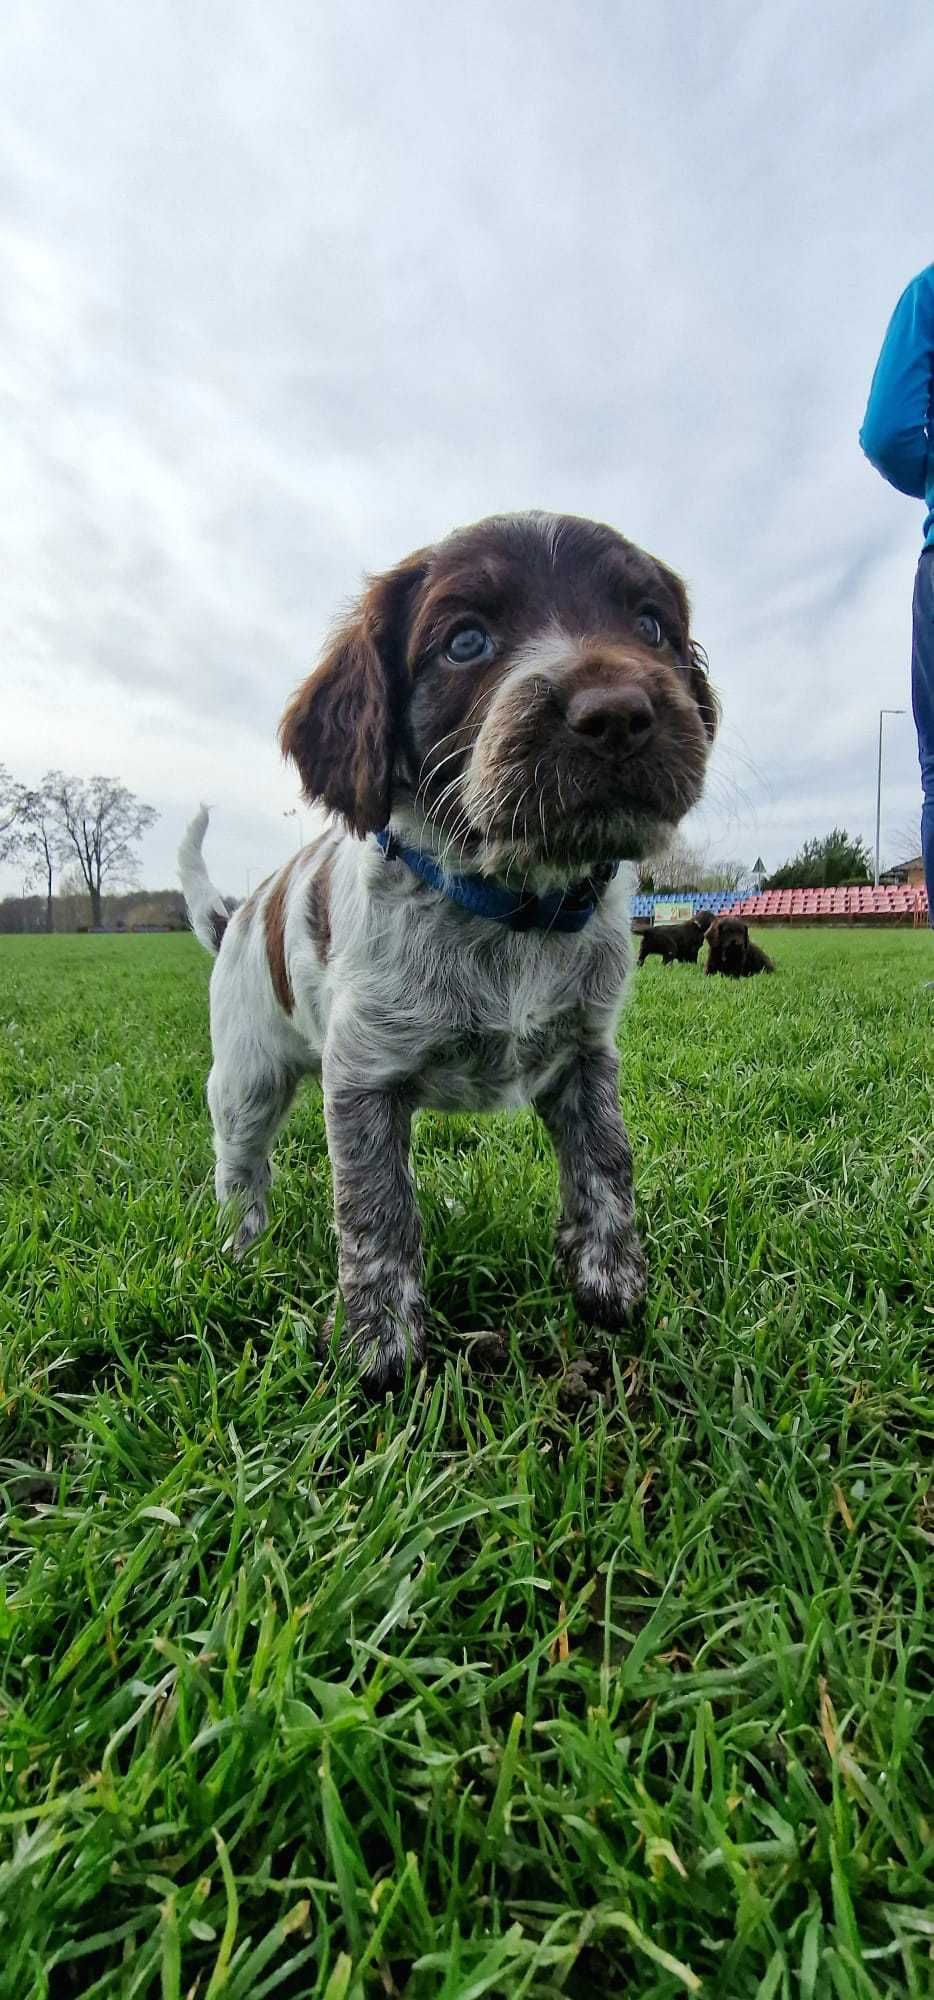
(341, 725)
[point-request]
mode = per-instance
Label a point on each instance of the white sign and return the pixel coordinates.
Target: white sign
(673, 913)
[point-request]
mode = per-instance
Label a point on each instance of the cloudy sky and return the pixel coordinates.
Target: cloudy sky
(288, 288)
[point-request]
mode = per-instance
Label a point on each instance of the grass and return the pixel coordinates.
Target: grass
(588, 1668)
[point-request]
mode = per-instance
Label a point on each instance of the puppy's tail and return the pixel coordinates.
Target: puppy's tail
(208, 915)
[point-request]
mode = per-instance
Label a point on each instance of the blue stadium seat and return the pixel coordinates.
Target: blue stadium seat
(650, 905)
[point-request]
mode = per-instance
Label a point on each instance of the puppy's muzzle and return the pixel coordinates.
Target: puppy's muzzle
(618, 721)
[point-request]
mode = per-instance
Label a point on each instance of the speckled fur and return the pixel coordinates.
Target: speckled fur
(403, 1000)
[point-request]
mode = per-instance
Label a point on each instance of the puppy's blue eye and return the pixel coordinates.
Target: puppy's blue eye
(467, 645)
(649, 629)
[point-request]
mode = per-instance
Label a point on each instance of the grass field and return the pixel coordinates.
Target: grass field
(590, 1668)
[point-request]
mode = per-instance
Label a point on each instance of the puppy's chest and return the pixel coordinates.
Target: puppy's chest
(482, 1029)
(495, 1055)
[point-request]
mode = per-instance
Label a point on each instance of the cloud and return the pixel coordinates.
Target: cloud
(285, 292)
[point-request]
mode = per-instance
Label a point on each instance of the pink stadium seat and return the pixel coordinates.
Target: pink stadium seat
(900, 900)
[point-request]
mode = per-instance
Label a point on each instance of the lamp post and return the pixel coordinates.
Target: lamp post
(292, 812)
(882, 712)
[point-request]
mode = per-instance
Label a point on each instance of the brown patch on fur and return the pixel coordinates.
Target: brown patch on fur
(319, 908)
(246, 910)
(274, 926)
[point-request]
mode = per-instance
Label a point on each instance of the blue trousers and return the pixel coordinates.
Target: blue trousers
(922, 703)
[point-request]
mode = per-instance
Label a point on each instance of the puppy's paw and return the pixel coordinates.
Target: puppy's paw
(381, 1347)
(250, 1226)
(608, 1281)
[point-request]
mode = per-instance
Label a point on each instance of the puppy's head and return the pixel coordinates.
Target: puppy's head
(526, 691)
(703, 919)
(730, 937)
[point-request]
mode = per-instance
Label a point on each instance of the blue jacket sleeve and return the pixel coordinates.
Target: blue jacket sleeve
(896, 428)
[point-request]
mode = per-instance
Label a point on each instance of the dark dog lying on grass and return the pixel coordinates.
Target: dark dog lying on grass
(676, 943)
(732, 952)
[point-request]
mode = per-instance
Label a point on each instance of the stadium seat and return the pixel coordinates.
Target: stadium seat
(905, 901)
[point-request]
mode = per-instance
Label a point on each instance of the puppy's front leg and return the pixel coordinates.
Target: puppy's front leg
(380, 1255)
(597, 1244)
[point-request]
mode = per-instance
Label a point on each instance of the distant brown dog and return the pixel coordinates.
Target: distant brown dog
(731, 951)
(676, 943)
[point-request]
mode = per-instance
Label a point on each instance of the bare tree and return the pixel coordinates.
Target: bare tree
(100, 822)
(36, 836)
(903, 841)
(679, 867)
(727, 875)
(9, 806)
(692, 869)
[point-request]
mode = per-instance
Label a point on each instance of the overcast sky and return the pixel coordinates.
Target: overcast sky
(289, 289)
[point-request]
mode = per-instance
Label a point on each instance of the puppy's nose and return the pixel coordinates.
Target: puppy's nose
(619, 719)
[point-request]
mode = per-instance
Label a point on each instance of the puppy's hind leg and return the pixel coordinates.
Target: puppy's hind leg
(249, 1093)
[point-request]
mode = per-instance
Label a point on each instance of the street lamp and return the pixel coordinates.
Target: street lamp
(292, 812)
(882, 712)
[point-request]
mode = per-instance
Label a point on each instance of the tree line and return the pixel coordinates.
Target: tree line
(824, 863)
(133, 909)
(93, 825)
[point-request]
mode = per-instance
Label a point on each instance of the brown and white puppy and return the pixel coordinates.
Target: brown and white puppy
(676, 943)
(523, 705)
(732, 952)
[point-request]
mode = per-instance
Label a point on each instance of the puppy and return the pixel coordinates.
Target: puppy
(676, 942)
(503, 721)
(732, 952)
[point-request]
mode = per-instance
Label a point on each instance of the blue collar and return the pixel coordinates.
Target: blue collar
(558, 910)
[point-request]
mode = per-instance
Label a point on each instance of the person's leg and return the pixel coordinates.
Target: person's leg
(922, 702)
